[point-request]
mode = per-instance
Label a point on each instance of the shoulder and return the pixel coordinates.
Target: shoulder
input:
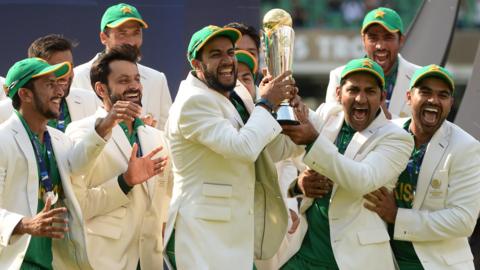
(88, 94)
(405, 64)
(460, 138)
(337, 71)
(150, 73)
(84, 123)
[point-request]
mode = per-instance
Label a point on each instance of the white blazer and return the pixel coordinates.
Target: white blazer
(122, 229)
(398, 102)
(218, 195)
(446, 203)
(19, 193)
(80, 102)
(156, 98)
(374, 158)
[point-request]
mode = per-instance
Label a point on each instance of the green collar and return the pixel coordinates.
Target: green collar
(132, 137)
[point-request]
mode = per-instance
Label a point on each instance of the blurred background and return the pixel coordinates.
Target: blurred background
(327, 32)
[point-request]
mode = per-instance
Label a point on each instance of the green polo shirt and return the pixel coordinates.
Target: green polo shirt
(39, 252)
(66, 118)
(316, 250)
(404, 252)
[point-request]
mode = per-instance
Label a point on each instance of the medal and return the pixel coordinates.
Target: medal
(52, 195)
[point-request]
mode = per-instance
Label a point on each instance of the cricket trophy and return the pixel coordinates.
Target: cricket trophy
(278, 38)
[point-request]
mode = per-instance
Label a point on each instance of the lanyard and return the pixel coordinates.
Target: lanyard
(61, 118)
(44, 175)
(139, 151)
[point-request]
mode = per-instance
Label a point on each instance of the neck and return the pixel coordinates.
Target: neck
(419, 135)
(35, 121)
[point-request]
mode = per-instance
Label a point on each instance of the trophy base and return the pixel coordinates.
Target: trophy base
(286, 115)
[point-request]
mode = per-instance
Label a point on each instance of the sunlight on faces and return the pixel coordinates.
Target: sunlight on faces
(245, 76)
(360, 97)
(45, 98)
(430, 102)
(246, 43)
(123, 84)
(129, 32)
(60, 57)
(382, 46)
(218, 65)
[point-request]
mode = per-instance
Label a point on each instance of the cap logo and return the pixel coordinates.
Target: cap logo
(379, 14)
(367, 63)
(126, 10)
(434, 68)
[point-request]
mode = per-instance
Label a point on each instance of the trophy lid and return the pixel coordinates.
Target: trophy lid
(275, 18)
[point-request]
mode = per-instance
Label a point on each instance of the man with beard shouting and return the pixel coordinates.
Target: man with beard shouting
(382, 37)
(125, 194)
(225, 209)
(435, 205)
(359, 150)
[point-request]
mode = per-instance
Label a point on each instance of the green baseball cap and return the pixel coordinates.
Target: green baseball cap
(25, 70)
(364, 65)
(202, 36)
(432, 71)
(118, 14)
(248, 59)
(386, 17)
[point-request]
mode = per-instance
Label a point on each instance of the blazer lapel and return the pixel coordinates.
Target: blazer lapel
(121, 141)
(74, 102)
(21, 136)
(434, 153)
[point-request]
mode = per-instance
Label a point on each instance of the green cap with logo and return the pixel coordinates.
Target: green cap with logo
(202, 36)
(364, 65)
(386, 17)
(432, 71)
(248, 59)
(119, 14)
(25, 70)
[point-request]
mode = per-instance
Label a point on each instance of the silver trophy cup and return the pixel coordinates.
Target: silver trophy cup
(278, 39)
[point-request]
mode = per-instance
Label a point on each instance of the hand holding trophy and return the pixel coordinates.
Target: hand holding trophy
(278, 39)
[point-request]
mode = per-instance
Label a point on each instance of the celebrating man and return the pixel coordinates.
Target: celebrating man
(435, 205)
(359, 150)
(123, 24)
(42, 224)
(125, 195)
(224, 212)
(382, 37)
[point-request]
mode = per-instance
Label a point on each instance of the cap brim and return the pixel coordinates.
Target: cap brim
(231, 33)
(436, 74)
(371, 71)
(121, 21)
(59, 70)
(385, 25)
(247, 58)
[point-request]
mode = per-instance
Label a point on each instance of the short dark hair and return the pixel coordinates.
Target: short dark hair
(246, 30)
(45, 46)
(101, 67)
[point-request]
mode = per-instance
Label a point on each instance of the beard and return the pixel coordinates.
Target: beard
(116, 97)
(43, 109)
(212, 81)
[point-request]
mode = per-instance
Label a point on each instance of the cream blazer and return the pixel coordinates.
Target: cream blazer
(156, 98)
(19, 192)
(122, 229)
(447, 201)
(374, 158)
(226, 205)
(398, 103)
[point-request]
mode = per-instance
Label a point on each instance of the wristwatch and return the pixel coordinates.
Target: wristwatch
(267, 103)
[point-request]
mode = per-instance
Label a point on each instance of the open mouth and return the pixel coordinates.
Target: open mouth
(132, 96)
(430, 115)
(56, 101)
(381, 56)
(226, 73)
(360, 114)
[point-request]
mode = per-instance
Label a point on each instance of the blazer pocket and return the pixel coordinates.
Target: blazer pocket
(212, 212)
(458, 256)
(437, 191)
(374, 236)
(217, 190)
(97, 227)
